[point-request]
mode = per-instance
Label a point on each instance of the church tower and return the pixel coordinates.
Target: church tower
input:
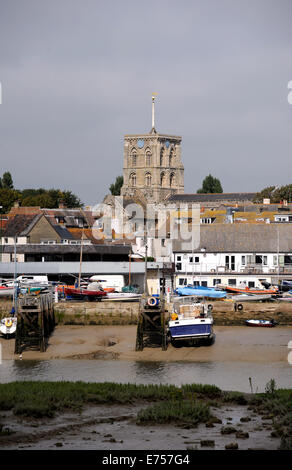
(153, 168)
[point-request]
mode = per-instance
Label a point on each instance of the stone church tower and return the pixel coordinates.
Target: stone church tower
(153, 168)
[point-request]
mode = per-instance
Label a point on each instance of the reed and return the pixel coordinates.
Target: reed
(179, 412)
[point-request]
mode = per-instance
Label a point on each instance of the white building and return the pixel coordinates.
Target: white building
(235, 255)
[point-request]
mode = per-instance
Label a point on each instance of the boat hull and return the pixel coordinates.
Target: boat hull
(191, 329)
(260, 323)
(6, 291)
(85, 293)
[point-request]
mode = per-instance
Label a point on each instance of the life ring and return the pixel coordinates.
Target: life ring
(8, 322)
(152, 301)
(239, 307)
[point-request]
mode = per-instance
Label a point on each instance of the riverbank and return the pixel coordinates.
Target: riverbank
(46, 415)
(232, 344)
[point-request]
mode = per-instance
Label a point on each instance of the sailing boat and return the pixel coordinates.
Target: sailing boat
(91, 292)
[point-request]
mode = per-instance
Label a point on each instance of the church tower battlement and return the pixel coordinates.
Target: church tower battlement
(152, 165)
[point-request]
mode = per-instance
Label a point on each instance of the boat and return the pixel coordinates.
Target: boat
(8, 326)
(6, 291)
(247, 290)
(192, 323)
(261, 323)
(250, 297)
(84, 294)
(123, 296)
(201, 291)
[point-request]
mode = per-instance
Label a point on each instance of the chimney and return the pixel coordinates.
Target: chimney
(62, 204)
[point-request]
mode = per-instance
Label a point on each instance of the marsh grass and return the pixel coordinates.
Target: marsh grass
(180, 412)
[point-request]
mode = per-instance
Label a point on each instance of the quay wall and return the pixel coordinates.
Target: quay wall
(126, 313)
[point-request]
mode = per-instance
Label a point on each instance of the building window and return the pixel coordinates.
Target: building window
(148, 179)
(243, 260)
(251, 284)
(132, 179)
(275, 260)
(178, 266)
(162, 157)
(171, 157)
(204, 283)
(172, 180)
(232, 282)
(163, 242)
(178, 258)
(182, 281)
(216, 281)
(133, 161)
(191, 259)
(162, 179)
(148, 158)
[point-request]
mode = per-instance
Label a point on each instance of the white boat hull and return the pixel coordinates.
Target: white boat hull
(6, 291)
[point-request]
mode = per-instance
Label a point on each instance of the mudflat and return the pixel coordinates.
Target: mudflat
(233, 343)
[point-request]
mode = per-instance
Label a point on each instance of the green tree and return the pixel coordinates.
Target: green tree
(71, 200)
(7, 182)
(210, 185)
(8, 198)
(115, 188)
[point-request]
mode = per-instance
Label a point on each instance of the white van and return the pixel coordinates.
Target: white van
(116, 282)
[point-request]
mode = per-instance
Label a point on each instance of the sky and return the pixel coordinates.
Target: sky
(77, 75)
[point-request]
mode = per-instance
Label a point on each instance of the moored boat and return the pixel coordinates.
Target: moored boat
(247, 290)
(84, 294)
(193, 322)
(6, 291)
(261, 323)
(201, 291)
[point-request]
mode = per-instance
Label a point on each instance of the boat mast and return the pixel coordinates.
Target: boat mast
(80, 265)
(15, 283)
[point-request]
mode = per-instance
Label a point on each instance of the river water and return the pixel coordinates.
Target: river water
(226, 375)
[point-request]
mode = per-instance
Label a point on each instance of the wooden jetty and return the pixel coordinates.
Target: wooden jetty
(35, 321)
(152, 327)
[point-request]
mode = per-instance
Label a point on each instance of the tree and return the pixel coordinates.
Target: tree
(7, 198)
(210, 185)
(115, 188)
(275, 194)
(7, 182)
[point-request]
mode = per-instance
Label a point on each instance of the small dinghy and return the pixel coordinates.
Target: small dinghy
(262, 323)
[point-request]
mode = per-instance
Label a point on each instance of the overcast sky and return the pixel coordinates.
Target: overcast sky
(77, 75)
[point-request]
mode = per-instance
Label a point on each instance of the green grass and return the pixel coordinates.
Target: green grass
(179, 412)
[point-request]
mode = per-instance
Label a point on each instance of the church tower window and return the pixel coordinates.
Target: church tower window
(162, 156)
(133, 161)
(148, 158)
(148, 179)
(132, 179)
(172, 180)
